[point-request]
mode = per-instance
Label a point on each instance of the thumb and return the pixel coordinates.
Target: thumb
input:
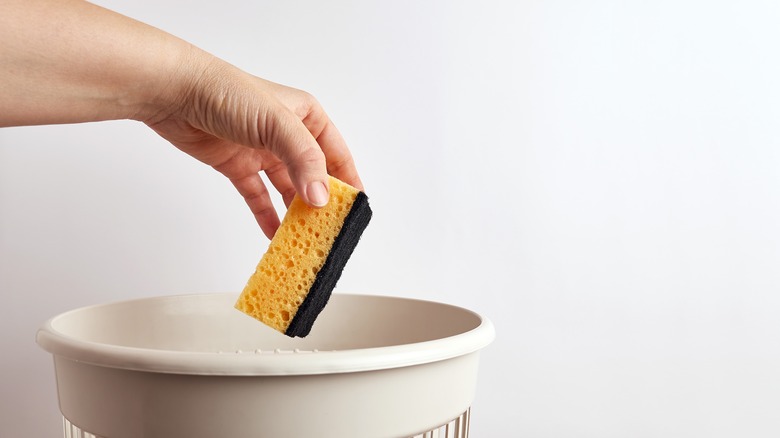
(290, 140)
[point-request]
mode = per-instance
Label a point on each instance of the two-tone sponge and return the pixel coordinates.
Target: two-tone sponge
(296, 275)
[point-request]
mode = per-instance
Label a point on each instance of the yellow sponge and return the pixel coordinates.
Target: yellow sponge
(296, 275)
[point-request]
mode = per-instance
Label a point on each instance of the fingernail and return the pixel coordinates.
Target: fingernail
(317, 192)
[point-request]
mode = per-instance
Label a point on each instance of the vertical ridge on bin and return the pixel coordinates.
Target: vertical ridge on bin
(468, 423)
(457, 428)
(70, 430)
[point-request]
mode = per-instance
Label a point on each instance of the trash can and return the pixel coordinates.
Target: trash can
(193, 366)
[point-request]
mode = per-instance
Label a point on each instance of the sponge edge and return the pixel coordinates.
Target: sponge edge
(305, 259)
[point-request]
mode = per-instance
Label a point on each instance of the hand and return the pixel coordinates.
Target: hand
(242, 125)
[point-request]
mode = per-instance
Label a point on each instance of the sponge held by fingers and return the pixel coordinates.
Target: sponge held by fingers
(295, 277)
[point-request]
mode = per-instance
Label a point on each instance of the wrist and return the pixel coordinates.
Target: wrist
(181, 85)
(165, 84)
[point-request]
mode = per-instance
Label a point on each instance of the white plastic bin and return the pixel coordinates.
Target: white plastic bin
(193, 366)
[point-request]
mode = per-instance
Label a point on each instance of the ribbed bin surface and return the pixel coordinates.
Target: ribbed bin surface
(457, 428)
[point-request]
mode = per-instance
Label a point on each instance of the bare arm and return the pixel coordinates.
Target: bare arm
(64, 61)
(68, 61)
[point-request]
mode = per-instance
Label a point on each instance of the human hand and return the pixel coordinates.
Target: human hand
(241, 125)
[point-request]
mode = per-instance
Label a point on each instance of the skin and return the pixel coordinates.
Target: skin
(69, 61)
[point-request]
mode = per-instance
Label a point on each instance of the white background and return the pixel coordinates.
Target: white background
(601, 179)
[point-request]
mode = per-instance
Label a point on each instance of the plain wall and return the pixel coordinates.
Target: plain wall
(601, 179)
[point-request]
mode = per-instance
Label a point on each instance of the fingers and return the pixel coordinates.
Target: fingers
(309, 148)
(286, 122)
(258, 199)
(281, 181)
(338, 157)
(290, 140)
(308, 110)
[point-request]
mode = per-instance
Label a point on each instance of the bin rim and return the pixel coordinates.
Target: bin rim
(227, 364)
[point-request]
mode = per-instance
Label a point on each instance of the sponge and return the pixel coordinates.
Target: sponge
(295, 277)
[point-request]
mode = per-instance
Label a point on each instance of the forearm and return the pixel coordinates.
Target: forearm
(67, 61)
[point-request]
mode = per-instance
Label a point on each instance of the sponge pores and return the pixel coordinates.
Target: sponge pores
(295, 277)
